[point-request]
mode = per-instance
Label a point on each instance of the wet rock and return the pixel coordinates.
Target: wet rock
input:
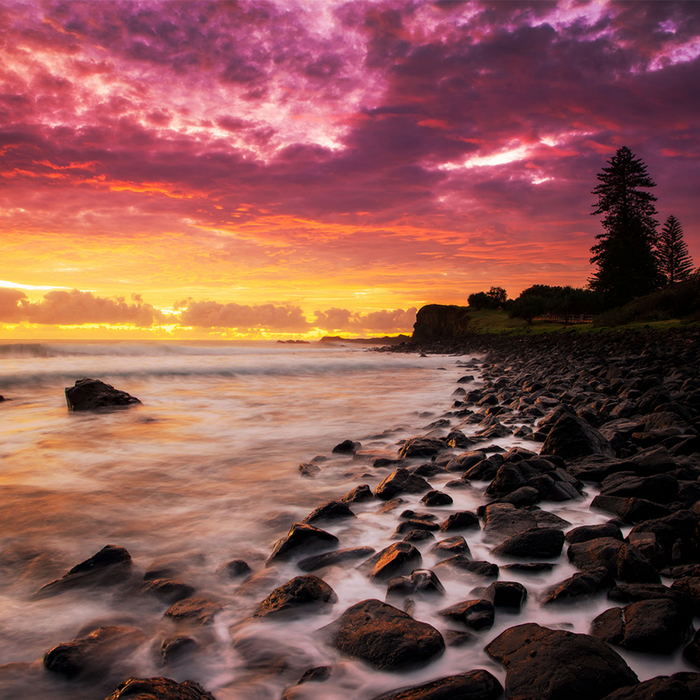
(465, 461)
(93, 655)
(301, 595)
(532, 567)
(409, 525)
(401, 481)
(463, 562)
(584, 533)
(347, 447)
(340, 556)
(175, 648)
(675, 534)
(630, 510)
(421, 581)
(652, 626)
(93, 394)
(308, 470)
(421, 447)
(360, 494)
(504, 520)
(428, 469)
(659, 488)
(475, 614)
(168, 590)
(692, 652)
(384, 637)
(690, 586)
(197, 611)
(463, 520)
(413, 515)
(451, 546)
(573, 438)
(459, 638)
(435, 498)
(537, 543)
(159, 689)
(394, 560)
(300, 540)
(634, 592)
(474, 685)
(332, 510)
(680, 686)
(319, 674)
(485, 470)
(415, 536)
(109, 567)
(582, 585)
(267, 655)
(622, 560)
(506, 594)
(237, 568)
(553, 664)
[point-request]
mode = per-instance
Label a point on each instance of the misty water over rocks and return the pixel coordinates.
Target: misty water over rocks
(197, 489)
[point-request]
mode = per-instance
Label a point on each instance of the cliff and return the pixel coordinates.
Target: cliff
(437, 321)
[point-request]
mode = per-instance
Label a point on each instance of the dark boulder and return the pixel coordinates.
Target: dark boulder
(236, 568)
(332, 510)
(653, 626)
(93, 655)
(109, 567)
(303, 594)
(475, 614)
(300, 540)
(409, 525)
(572, 437)
(435, 498)
(168, 590)
(622, 560)
(421, 582)
(659, 488)
(634, 592)
(384, 637)
(676, 687)
(347, 447)
(339, 556)
(506, 594)
(689, 586)
(401, 481)
(630, 510)
(394, 560)
(175, 648)
(463, 462)
(360, 494)
(159, 689)
(676, 536)
(451, 546)
(464, 563)
(463, 520)
(692, 652)
(421, 447)
(582, 585)
(537, 543)
(554, 664)
(309, 471)
(584, 533)
(474, 685)
(198, 611)
(93, 394)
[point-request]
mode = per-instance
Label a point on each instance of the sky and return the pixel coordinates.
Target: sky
(296, 168)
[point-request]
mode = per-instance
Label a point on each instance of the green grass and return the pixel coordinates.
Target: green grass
(497, 322)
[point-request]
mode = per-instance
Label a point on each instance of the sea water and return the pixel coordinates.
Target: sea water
(206, 470)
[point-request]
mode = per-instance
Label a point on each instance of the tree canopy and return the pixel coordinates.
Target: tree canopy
(675, 262)
(625, 257)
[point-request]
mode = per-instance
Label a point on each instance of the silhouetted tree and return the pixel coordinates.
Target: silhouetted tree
(627, 264)
(495, 298)
(675, 262)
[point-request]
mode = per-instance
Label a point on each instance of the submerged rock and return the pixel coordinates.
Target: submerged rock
(93, 394)
(384, 637)
(93, 655)
(199, 611)
(159, 689)
(109, 567)
(339, 556)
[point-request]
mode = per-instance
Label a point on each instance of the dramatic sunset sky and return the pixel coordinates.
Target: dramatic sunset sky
(293, 168)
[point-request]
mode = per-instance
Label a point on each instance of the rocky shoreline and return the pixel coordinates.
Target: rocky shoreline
(615, 414)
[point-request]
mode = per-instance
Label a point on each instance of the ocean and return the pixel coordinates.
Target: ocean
(204, 471)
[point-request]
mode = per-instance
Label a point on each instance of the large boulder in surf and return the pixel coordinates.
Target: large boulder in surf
(474, 685)
(401, 481)
(93, 655)
(553, 664)
(303, 594)
(92, 394)
(108, 567)
(301, 539)
(384, 637)
(159, 689)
